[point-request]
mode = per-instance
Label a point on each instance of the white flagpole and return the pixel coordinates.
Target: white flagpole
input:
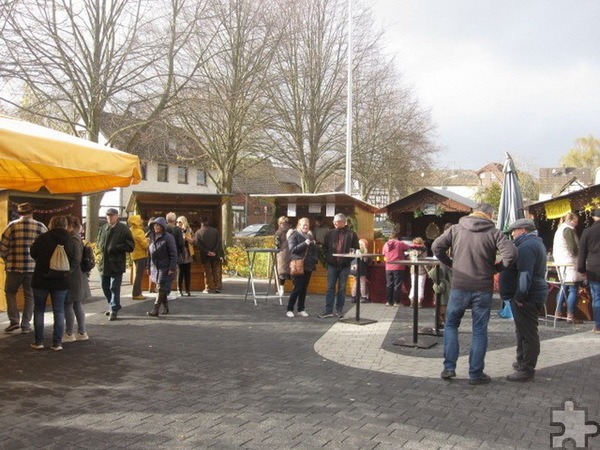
(348, 182)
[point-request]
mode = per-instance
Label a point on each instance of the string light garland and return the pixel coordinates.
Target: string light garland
(47, 211)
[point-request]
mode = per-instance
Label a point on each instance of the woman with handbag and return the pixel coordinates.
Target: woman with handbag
(304, 257)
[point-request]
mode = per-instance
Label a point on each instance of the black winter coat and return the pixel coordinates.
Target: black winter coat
(41, 251)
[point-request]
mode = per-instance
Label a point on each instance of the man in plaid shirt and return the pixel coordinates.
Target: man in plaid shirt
(14, 249)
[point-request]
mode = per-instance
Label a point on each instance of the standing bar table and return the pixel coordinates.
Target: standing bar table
(357, 320)
(273, 272)
(423, 342)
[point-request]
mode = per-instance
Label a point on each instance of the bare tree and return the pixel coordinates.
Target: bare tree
(79, 59)
(308, 91)
(224, 114)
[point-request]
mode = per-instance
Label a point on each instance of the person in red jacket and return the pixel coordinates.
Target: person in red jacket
(394, 250)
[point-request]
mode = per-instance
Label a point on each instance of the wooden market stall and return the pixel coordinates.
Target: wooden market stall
(421, 214)
(45, 206)
(192, 206)
(547, 215)
(361, 218)
(425, 212)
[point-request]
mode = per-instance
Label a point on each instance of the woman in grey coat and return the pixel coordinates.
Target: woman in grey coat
(79, 288)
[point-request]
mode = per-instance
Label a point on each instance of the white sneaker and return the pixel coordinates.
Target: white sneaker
(69, 337)
(172, 296)
(303, 314)
(290, 314)
(81, 337)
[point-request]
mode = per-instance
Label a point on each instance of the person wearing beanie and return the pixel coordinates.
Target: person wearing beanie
(524, 282)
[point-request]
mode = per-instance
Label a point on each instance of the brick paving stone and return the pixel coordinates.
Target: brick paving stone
(221, 373)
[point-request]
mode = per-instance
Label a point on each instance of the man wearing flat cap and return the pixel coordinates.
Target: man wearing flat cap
(114, 242)
(14, 249)
(525, 284)
(588, 263)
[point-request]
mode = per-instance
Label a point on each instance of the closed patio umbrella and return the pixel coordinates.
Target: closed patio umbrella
(511, 199)
(32, 157)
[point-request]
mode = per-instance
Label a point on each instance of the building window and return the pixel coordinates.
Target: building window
(182, 175)
(144, 170)
(200, 177)
(162, 173)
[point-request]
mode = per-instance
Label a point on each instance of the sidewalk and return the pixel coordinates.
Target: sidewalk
(221, 373)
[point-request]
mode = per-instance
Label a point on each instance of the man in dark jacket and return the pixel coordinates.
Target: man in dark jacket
(474, 241)
(588, 263)
(114, 242)
(338, 240)
(208, 241)
(525, 284)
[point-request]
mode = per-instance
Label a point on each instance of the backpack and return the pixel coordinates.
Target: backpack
(88, 261)
(59, 266)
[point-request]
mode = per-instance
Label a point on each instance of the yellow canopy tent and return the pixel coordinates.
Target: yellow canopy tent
(32, 157)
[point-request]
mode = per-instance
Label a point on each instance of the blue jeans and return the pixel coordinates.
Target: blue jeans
(111, 286)
(58, 311)
(336, 275)
(570, 291)
(480, 304)
(595, 290)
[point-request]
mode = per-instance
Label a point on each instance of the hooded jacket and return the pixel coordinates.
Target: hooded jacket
(163, 252)
(140, 249)
(474, 241)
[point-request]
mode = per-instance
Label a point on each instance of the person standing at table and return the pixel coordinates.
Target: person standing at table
(475, 241)
(524, 282)
(302, 245)
(14, 249)
(339, 240)
(364, 267)
(418, 246)
(588, 263)
(394, 250)
(564, 251)
(114, 242)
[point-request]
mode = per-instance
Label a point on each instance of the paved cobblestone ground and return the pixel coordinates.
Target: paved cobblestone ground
(221, 373)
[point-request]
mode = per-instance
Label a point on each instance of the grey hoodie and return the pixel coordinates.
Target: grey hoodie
(475, 241)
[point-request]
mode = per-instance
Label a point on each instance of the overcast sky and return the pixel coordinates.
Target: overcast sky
(503, 75)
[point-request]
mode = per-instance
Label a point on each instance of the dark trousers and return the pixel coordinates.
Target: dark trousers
(528, 339)
(393, 285)
(184, 277)
(299, 291)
